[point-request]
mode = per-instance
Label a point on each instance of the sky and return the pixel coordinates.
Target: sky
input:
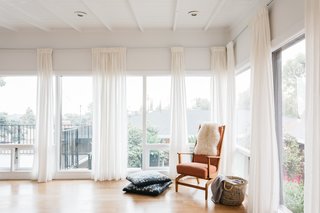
(19, 93)
(158, 89)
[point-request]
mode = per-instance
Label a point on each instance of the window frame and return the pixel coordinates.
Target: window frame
(277, 81)
(14, 172)
(147, 147)
(59, 173)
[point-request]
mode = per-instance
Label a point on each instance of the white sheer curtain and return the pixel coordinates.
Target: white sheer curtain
(264, 163)
(229, 137)
(222, 100)
(219, 84)
(179, 134)
(109, 114)
(312, 144)
(44, 163)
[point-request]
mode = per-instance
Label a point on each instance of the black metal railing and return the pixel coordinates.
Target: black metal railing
(17, 134)
(75, 143)
(75, 147)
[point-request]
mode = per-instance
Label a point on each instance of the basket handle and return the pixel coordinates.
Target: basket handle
(226, 188)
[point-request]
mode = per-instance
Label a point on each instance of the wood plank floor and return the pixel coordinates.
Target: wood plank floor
(73, 196)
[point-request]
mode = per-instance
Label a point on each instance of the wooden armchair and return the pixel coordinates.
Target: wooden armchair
(202, 166)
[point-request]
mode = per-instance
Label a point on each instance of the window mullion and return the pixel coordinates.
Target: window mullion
(144, 125)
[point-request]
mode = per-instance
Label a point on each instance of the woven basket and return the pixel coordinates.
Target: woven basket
(234, 191)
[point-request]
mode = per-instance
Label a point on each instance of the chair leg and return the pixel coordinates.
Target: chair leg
(206, 194)
(207, 186)
(177, 181)
(198, 180)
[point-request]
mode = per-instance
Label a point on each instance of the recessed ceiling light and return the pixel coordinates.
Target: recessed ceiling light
(193, 12)
(80, 13)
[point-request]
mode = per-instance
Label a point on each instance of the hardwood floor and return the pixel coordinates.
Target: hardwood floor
(68, 196)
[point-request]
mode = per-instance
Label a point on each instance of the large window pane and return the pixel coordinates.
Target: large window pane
(135, 132)
(76, 129)
(243, 121)
(293, 121)
(198, 104)
(158, 158)
(17, 109)
(17, 118)
(158, 109)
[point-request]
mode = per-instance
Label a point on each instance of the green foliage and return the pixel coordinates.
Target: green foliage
(294, 196)
(134, 147)
(28, 118)
(4, 118)
(2, 82)
(292, 70)
(135, 140)
(192, 139)
(152, 135)
(292, 158)
(293, 168)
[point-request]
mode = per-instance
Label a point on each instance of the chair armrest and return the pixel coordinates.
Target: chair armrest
(212, 156)
(183, 153)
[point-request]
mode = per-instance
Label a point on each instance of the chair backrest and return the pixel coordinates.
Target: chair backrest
(203, 158)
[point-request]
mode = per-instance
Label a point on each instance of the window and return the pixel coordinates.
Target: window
(148, 107)
(135, 126)
(290, 105)
(17, 122)
(76, 124)
(242, 107)
(198, 104)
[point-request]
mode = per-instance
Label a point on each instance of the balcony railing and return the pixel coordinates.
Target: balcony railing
(75, 143)
(75, 147)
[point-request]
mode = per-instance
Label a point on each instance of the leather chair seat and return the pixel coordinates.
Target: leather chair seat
(199, 170)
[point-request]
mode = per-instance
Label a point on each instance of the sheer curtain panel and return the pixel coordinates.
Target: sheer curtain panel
(219, 84)
(264, 164)
(229, 141)
(109, 114)
(222, 66)
(179, 134)
(44, 158)
(312, 144)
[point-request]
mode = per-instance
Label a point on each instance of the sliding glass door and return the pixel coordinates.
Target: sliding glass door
(75, 141)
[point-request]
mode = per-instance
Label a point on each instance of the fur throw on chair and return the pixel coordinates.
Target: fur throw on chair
(208, 139)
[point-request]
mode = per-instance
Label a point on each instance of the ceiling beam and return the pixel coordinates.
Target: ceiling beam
(88, 4)
(59, 16)
(27, 18)
(216, 10)
(8, 27)
(175, 17)
(134, 13)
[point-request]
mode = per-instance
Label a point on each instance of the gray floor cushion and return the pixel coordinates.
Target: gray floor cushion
(145, 178)
(153, 189)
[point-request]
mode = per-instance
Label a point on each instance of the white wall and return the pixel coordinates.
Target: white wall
(147, 51)
(286, 22)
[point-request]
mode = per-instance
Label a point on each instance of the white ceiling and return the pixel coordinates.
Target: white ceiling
(120, 15)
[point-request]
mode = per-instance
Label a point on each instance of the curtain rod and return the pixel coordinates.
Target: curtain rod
(89, 48)
(237, 36)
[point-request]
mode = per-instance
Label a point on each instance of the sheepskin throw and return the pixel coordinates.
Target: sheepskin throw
(208, 139)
